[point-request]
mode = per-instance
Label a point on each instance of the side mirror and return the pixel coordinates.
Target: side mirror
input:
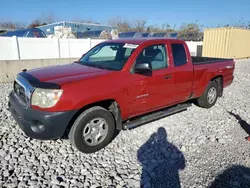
(142, 67)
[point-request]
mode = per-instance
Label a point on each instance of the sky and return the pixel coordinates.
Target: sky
(175, 12)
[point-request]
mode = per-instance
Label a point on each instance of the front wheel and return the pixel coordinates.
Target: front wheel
(210, 96)
(92, 130)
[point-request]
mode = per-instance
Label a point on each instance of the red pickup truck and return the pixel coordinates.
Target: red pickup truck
(116, 85)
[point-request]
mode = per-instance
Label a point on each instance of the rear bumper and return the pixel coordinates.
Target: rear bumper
(39, 124)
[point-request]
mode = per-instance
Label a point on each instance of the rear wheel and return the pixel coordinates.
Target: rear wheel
(92, 130)
(210, 96)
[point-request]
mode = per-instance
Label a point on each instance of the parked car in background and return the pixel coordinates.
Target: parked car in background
(130, 34)
(29, 33)
(118, 84)
(173, 35)
(146, 34)
(158, 35)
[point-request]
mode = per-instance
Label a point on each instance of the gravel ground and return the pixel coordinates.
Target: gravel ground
(195, 148)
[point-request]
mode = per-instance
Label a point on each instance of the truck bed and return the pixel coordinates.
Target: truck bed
(205, 60)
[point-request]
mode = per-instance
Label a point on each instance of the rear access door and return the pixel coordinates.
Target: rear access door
(182, 72)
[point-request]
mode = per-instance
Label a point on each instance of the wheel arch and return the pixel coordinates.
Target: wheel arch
(219, 80)
(109, 104)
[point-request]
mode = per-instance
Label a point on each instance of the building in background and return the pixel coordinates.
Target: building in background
(226, 43)
(75, 27)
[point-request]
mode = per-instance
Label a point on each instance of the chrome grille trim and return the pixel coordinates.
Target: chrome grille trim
(28, 89)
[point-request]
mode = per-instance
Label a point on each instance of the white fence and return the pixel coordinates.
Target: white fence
(13, 48)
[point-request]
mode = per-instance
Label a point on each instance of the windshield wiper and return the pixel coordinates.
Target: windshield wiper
(96, 66)
(91, 65)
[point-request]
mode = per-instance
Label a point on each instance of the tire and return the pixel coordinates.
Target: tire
(206, 100)
(87, 127)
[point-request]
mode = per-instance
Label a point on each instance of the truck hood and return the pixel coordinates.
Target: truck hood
(62, 74)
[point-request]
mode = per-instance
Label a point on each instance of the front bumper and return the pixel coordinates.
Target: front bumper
(39, 124)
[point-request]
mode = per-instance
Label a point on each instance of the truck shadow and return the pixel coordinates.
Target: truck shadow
(161, 162)
(234, 176)
(244, 125)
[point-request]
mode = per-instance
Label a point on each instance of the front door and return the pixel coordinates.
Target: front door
(151, 90)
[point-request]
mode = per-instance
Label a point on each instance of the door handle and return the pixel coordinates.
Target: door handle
(167, 77)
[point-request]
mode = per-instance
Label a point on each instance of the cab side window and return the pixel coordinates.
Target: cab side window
(156, 55)
(179, 54)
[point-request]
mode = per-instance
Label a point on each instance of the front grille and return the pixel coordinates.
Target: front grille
(20, 92)
(23, 90)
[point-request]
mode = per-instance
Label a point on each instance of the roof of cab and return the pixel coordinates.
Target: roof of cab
(140, 40)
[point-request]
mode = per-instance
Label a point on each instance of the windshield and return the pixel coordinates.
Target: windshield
(111, 56)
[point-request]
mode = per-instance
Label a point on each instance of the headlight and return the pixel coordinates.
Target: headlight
(45, 98)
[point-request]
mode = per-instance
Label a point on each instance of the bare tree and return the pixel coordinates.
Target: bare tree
(48, 18)
(191, 31)
(44, 19)
(11, 25)
(240, 24)
(36, 23)
(121, 24)
(165, 27)
(140, 25)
